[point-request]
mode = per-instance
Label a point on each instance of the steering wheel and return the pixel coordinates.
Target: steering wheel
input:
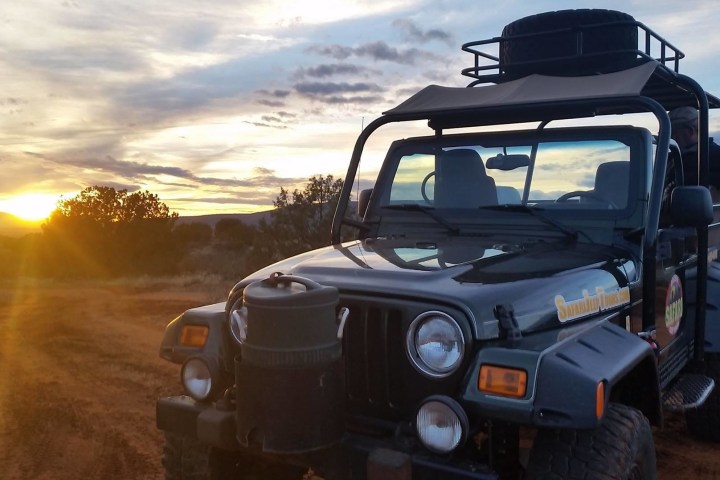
(587, 194)
(424, 186)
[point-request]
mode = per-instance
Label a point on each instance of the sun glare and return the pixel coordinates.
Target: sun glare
(30, 206)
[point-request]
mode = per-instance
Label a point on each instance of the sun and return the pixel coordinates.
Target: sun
(30, 206)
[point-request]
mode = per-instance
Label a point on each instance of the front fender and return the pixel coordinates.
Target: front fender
(564, 368)
(211, 316)
(568, 376)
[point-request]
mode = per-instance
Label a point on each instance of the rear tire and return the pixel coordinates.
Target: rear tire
(703, 422)
(611, 38)
(621, 448)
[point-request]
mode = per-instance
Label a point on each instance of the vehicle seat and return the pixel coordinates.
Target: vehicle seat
(612, 181)
(461, 181)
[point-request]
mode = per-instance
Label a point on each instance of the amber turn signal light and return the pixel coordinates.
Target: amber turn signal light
(600, 400)
(502, 381)
(194, 335)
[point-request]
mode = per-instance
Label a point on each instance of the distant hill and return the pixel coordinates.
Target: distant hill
(246, 218)
(12, 226)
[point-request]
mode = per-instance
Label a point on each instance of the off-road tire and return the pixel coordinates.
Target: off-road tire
(703, 423)
(621, 448)
(185, 458)
(611, 38)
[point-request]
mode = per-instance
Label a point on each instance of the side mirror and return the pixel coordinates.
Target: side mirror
(691, 206)
(363, 201)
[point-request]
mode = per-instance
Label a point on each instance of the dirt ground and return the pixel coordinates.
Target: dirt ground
(80, 373)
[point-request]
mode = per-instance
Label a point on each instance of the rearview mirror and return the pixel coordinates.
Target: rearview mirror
(507, 162)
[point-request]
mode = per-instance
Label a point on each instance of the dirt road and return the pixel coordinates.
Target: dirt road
(79, 376)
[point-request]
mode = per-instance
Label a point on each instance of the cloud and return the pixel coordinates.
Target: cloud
(335, 51)
(143, 171)
(326, 88)
(329, 70)
(378, 50)
(357, 99)
(278, 119)
(271, 103)
(191, 35)
(169, 95)
(66, 63)
(193, 92)
(11, 101)
(413, 33)
(333, 93)
(275, 93)
(264, 124)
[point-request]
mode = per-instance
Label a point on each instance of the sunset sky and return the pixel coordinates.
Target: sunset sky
(215, 106)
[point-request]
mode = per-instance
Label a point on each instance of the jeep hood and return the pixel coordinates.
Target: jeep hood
(546, 282)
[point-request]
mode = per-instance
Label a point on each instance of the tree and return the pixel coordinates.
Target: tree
(301, 220)
(233, 233)
(107, 206)
(193, 234)
(103, 231)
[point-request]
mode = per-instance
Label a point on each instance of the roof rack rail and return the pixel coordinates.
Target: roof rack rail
(500, 67)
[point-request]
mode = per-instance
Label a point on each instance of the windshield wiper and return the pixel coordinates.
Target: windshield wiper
(429, 211)
(535, 212)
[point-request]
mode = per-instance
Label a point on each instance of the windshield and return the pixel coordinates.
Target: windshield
(564, 173)
(549, 171)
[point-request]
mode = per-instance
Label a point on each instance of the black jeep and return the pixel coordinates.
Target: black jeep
(522, 293)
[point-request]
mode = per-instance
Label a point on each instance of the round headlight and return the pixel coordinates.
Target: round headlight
(435, 344)
(441, 424)
(197, 378)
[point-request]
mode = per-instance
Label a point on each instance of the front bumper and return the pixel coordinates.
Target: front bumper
(357, 457)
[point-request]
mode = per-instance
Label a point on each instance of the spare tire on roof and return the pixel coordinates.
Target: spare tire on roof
(610, 47)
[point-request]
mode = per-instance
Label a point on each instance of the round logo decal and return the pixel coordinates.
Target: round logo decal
(673, 305)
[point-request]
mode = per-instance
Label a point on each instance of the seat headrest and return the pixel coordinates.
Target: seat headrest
(612, 181)
(461, 161)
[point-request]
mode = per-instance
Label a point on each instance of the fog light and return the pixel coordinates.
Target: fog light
(198, 378)
(441, 424)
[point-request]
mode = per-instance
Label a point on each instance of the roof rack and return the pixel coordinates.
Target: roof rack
(491, 68)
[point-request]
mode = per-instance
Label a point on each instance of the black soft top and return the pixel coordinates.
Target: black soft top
(540, 95)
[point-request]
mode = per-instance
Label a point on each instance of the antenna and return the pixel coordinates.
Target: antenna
(357, 190)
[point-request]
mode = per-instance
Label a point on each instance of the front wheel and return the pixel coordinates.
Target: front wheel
(621, 448)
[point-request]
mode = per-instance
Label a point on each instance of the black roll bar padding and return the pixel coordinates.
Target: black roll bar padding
(703, 167)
